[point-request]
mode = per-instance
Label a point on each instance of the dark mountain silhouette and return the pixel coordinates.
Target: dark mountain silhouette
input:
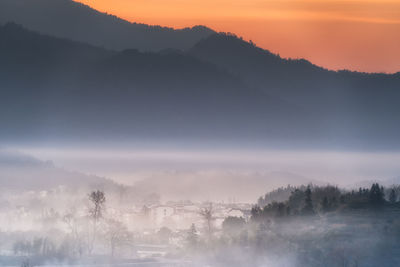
(76, 21)
(352, 103)
(290, 78)
(26, 54)
(54, 87)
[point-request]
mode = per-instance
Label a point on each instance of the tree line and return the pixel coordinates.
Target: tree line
(311, 200)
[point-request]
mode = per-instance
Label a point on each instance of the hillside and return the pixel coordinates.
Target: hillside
(351, 104)
(291, 78)
(74, 90)
(20, 172)
(75, 21)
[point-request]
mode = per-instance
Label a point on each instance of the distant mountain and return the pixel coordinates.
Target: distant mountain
(29, 54)
(20, 172)
(223, 88)
(295, 79)
(76, 21)
(352, 104)
(27, 179)
(256, 66)
(73, 89)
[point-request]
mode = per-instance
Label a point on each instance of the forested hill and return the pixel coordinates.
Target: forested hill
(314, 200)
(74, 89)
(71, 89)
(76, 21)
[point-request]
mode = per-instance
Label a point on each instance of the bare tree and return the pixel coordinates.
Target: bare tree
(117, 235)
(208, 215)
(97, 205)
(73, 225)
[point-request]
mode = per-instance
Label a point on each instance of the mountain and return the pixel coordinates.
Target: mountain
(76, 21)
(296, 79)
(56, 87)
(32, 183)
(353, 105)
(254, 65)
(29, 54)
(222, 89)
(20, 172)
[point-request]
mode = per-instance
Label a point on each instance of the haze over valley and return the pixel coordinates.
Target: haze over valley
(131, 144)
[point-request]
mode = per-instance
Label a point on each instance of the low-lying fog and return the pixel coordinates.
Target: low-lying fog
(241, 174)
(198, 207)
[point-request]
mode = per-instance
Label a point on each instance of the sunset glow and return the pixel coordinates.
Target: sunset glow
(336, 34)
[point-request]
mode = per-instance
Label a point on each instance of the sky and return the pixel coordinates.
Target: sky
(358, 35)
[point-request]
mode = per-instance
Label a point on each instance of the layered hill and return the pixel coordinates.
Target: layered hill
(57, 87)
(76, 21)
(223, 88)
(353, 104)
(20, 172)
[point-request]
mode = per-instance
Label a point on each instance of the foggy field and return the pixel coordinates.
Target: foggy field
(69, 218)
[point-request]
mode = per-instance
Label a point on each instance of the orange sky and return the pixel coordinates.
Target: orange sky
(360, 35)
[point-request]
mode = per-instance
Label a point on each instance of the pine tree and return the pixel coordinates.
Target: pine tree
(325, 205)
(393, 196)
(308, 208)
(376, 195)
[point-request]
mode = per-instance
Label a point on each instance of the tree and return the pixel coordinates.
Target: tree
(325, 204)
(296, 201)
(74, 226)
(208, 215)
(376, 195)
(256, 213)
(393, 196)
(308, 208)
(192, 236)
(117, 235)
(233, 226)
(97, 205)
(97, 199)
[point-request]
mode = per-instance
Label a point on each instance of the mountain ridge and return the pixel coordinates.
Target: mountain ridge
(181, 94)
(76, 21)
(143, 92)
